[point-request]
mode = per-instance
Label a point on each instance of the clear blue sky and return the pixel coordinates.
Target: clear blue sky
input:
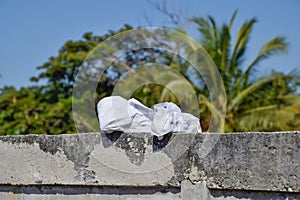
(31, 31)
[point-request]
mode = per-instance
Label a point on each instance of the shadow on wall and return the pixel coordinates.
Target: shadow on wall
(252, 195)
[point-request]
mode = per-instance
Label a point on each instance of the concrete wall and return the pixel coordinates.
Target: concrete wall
(139, 166)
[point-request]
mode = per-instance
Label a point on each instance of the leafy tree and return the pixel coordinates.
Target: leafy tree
(47, 109)
(27, 111)
(268, 103)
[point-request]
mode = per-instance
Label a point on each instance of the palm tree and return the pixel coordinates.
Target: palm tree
(269, 103)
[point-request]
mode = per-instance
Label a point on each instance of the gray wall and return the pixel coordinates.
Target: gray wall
(139, 166)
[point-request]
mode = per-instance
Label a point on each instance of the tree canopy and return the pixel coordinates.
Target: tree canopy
(266, 103)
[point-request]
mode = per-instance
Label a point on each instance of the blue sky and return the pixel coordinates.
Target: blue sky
(31, 31)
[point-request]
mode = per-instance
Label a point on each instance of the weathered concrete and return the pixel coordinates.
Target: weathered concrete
(199, 191)
(252, 161)
(126, 166)
(59, 192)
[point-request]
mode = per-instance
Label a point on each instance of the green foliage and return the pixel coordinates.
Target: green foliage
(26, 111)
(47, 109)
(268, 103)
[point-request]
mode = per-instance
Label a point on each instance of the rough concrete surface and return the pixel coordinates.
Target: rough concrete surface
(254, 161)
(199, 191)
(87, 193)
(214, 166)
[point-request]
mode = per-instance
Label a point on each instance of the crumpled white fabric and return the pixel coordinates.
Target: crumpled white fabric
(117, 114)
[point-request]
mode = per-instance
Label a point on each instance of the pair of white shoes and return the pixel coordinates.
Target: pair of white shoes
(117, 114)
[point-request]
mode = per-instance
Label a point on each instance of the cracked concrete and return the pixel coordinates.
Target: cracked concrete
(263, 162)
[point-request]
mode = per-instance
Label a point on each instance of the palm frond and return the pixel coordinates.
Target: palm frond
(269, 102)
(181, 92)
(232, 20)
(241, 42)
(250, 89)
(268, 118)
(275, 46)
(214, 27)
(225, 46)
(217, 114)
